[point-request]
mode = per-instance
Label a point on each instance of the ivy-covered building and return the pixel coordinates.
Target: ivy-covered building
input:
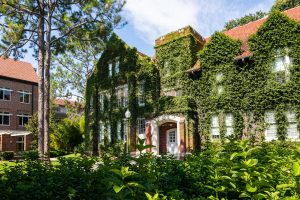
(242, 83)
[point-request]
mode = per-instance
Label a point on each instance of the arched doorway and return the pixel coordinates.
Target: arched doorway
(166, 131)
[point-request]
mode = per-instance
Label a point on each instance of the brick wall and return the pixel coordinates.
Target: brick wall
(14, 106)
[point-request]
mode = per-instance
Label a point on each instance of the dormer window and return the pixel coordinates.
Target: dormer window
(281, 66)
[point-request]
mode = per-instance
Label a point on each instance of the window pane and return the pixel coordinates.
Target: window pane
(215, 121)
(271, 132)
(270, 118)
(6, 120)
(291, 116)
(25, 120)
(1, 118)
(1, 94)
(292, 131)
(22, 97)
(229, 131)
(20, 121)
(215, 132)
(279, 64)
(142, 126)
(229, 119)
(26, 98)
(7, 95)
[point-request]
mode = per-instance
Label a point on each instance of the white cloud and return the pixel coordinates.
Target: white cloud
(153, 18)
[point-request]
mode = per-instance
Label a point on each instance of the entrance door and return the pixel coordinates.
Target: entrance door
(171, 141)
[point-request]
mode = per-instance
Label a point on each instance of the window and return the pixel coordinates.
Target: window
(101, 132)
(20, 143)
(23, 119)
(172, 137)
(101, 101)
(271, 130)
(142, 126)
(292, 127)
(178, 93)
(219, 88)
(117, 66)
(119, 130)
(122, 96)
(5, 118)
(125, 102)
(229, 124)
(119, 96)
(5, 94)
(281, 66)
(215, 128)
(24, 96)
(110, 69)
(141, 94)
(168, 93)
(125, 129)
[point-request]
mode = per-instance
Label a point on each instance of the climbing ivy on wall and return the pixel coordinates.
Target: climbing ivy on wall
(250, 88)
(133, 68)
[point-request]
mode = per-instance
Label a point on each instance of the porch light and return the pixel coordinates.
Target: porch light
(127, 114)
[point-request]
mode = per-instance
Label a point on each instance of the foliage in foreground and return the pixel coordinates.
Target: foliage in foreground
(234, 170)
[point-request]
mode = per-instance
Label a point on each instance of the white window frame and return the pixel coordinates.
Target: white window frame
(271, 129)
(284, 61)
(141, 93)
(6, 90)
(215, 125)
(22, 116)
(229, 121)
(20, 142)
(292, 125)
(2, 115)
(23, 92)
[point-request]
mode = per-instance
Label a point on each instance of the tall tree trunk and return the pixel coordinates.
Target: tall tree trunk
(95, 133)
(47, 85)
(41, 50)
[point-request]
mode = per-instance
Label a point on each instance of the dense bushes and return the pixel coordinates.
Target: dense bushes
(7, 155)
(234, 170)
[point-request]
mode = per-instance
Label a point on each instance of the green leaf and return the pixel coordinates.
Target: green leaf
(117, 189)
(250, 188)
(235, 154)
(296, 169)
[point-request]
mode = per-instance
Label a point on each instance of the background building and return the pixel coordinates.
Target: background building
(18, 102)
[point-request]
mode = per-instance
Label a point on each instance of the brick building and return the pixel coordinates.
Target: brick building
(18, 102)
(177, 100)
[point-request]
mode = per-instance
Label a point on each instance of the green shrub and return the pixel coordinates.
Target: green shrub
(7, 155)
(30, 155)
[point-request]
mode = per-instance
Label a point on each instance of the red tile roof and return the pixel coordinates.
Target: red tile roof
(63, 102)
(17, 70)
(243, 33)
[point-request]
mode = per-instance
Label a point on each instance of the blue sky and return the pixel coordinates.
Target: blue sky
(149, 19)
